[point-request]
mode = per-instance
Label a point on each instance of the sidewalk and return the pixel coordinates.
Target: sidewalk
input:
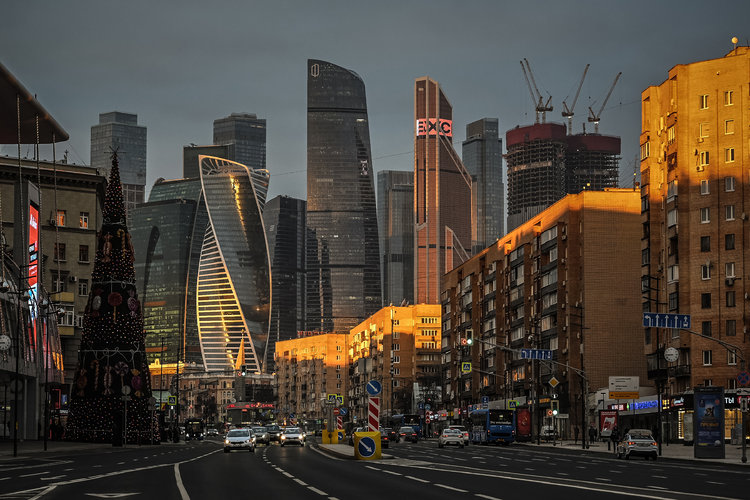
(35, 448)
(678, 451)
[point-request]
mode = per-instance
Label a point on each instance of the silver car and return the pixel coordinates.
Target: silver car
(239, 439)
(261, 435)
(638, 443)
(451, 436)
(292, 435)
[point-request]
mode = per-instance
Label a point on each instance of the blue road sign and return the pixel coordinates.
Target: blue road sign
(366, 447)
(373, 388)
(332, 398)
(343, 411)
(543, 354)
(341, 436)
(666, 320)
(485, 399)
(339, 399)
(420, 406)
(743, 378)
(427, 407)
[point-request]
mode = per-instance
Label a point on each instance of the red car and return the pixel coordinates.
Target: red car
(408, 434)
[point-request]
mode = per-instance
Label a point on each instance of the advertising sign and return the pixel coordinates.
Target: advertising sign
(33, 267)
(607, 421)
(708, 422)
(523, 424)
(624, 387)
(435, 126)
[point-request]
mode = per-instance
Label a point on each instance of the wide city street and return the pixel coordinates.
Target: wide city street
(200, 470)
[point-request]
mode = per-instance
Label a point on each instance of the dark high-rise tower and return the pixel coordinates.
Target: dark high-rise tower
(396, 228)
(284, 220)
(482, 154)
(442, 193)
(343, 267)
(245, 134)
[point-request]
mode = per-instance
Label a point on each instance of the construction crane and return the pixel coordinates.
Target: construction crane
(568, 113)
(539, 104)
(596, 117)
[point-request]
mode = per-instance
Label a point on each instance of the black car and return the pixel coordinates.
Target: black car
(408, 434)
(392, 434)
(384, 439)
(274, 433)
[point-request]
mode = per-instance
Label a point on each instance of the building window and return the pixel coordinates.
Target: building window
(729, 270)
(703, 129)
(645, 256)
(705, 301)
(674, 301)
(731, 328)
(729, 98)
(705, 215)
(645, 150)
(60, 252)
(706, 328)
(60, 219)
(396, 347)
(704, 101)
(705, 186)
(83, 220)
(672, 217)
(83, 287)
(83, 253)
(704, 158)
(729, 155)
(729, 211)
(670, 135)
(644, 204)
(728, 127)
(60, 282)
(729, 241)
(729, 183)
(705, 272)
(396, 359)
(731, 301)
(708, 382)
(673, 273)
(705, 243)
(707, 358)
(731, 358)
(671, 189)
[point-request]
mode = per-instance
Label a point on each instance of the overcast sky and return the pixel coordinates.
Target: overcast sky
(181, 64)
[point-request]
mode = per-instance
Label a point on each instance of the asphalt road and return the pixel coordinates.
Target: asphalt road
(200, 470)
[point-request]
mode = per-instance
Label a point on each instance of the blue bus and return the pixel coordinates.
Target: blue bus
(412, 420)
(493, 426)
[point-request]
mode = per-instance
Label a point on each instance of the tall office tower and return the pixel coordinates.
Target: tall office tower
(343, 266)
(536, 169)
(190, 167)
(284, 219)
(482, 154)
(694, 161)
(162, 230)
(245, 134)
(120, 132)
(396, 228)
(234, 276)
(442, 193)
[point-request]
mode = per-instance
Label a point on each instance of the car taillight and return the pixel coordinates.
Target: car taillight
(654, 444)
(631, 443)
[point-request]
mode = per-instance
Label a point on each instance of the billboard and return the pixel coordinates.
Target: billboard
(708, 422)
(435, 126)
(607, 421)
(33, 276)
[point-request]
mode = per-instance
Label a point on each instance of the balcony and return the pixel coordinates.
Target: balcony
(679, 371)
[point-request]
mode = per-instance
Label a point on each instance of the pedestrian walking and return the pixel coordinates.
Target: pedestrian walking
(577, 431)
(615, 437)
(592, 434)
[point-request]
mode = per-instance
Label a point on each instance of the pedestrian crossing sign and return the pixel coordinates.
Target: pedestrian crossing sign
(172, 400)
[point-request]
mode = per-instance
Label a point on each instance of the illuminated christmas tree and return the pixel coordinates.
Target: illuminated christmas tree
(112, 383)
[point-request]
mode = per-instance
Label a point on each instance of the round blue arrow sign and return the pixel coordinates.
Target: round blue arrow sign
(343, 411)
(341, 436)
(374, 388)
(366, 447)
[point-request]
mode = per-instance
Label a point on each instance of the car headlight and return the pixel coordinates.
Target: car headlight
(283, 437)
(226, 441)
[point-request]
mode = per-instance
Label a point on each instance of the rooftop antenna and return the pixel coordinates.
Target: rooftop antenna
(568, 113)
(595, 118)
(540, 105)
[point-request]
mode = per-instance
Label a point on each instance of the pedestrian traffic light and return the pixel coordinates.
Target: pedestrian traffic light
(243, 370)
(555, 407)
(469, 337)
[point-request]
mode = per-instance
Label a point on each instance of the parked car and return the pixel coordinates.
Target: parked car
(274, 432)
(239, 439)
(408, 434)
(549, 433)
(638, 443)
(292, 435)
(212, 431)
(261, 435)
(463, 431)
(451, 436)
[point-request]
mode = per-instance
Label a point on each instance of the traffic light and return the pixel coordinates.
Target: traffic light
(243, 370)
(555, 406)
(469, 337)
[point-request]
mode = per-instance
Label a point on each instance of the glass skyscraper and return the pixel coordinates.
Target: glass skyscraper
(343, 266)
(121, 132)
(284, 219)
(234, 276)
(245, 134)
(396, 228)
(482, 155)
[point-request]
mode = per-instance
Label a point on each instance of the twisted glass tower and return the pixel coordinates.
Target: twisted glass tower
(343, 268)
(234, 279)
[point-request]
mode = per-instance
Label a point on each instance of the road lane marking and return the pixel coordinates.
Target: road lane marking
(371, 467)
(300, 482)
(616, 471)
(51, 478)
(451, 488)
(287, 474)
(657, 487)
(714, 482)
(417, 479)
(529, 469)
(391, 472)
(181, 487)
(602, 479)
(316, 490)
(563, 474)
(34, 474)
(486, 496)
(659, 477)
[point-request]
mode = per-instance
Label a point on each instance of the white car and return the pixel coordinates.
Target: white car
(292, 435)
(462, 430)
(239, 439)
(451, 436)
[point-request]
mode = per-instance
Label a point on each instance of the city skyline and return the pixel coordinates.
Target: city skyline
(178, 104)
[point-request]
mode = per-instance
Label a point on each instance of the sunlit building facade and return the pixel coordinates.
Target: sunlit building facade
(343, 260)
(234, 277)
